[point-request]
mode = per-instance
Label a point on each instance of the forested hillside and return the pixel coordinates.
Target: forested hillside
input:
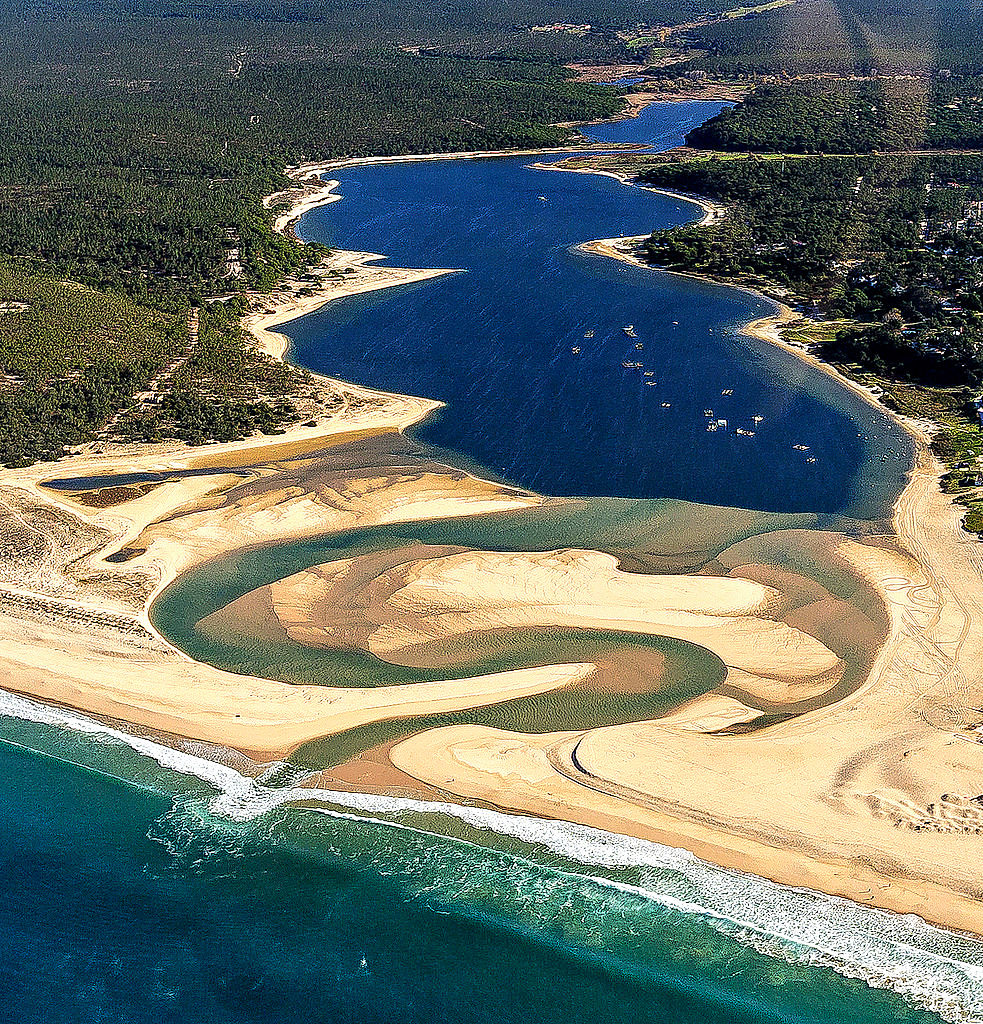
(74, 358)
(819, 117)
(70, 357)
(848, 37)
(139, 140)
(144, 185)
(893, 242)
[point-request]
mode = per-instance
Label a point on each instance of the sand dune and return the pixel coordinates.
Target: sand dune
(397, 601)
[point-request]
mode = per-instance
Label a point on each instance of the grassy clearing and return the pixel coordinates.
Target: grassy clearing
(815, 332)
(743, 12)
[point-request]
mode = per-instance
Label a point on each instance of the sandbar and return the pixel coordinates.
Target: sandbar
(875, 796)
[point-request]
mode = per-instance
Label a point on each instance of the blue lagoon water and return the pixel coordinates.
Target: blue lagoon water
(142, 884)
(496, 343)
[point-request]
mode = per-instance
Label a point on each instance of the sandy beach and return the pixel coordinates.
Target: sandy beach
(874, 795)
(342, 274)
(712, 212)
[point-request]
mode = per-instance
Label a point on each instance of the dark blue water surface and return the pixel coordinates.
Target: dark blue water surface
(623, 82)
(122, 904)
(143, 885)
(496, 343)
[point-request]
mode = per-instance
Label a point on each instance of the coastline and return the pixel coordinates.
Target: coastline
(765, 328)
(364, 277)
(519, 766)
(311, 190)
(508, 760)
(712, 212)
(924, 520)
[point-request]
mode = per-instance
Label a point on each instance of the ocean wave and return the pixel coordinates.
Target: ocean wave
(930, 967)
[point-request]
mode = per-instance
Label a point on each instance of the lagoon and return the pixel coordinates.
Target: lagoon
(497, 342)
(146, 885)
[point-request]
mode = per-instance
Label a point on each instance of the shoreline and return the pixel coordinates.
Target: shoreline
(779, 864)
(311, 190)
(365, 278)
(764, 328)
(712, 212)
(313, 709)
(918, 521)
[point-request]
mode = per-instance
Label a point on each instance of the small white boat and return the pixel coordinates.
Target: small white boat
(629, 329)
(575, 350)
(543, 199)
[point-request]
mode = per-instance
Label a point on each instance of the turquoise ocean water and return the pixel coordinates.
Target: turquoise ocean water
(142, 884)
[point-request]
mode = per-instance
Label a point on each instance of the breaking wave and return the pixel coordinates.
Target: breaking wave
(930, 967)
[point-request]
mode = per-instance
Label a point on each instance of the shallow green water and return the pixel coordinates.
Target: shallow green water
(649, 533)
(143, 884)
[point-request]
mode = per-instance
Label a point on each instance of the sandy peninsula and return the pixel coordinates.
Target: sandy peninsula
(622, 246)
(408, 605)
(874, 791)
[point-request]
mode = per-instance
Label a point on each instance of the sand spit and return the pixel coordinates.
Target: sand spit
(712, 212)
(343, 273)
(76, 582)
(877, 796)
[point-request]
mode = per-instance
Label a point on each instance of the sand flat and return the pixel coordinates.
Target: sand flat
(875, 796)
(427, 599)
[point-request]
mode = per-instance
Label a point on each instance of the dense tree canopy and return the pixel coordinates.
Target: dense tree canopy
(893, 241)
(848, 37)
(138, 143)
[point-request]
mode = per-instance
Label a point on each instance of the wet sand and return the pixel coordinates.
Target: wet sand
(875, 796)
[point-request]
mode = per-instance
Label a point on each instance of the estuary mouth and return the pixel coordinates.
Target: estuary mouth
(505, 570)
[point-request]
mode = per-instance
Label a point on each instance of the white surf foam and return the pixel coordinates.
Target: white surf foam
(929, 966)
